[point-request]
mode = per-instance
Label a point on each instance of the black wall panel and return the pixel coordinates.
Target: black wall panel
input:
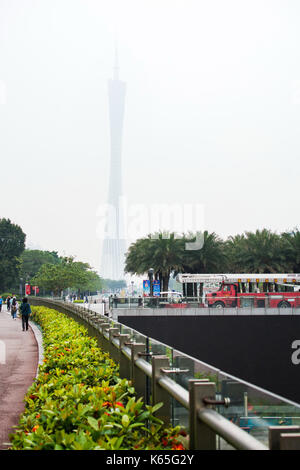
(259, 349)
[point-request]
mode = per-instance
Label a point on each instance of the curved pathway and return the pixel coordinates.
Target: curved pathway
(19, 357)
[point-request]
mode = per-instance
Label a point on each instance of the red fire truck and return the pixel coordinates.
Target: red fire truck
(248, 290)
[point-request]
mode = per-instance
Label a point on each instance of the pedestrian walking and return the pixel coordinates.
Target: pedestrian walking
(25, 311)
(1, 302)
(14, 308)
(8, 303)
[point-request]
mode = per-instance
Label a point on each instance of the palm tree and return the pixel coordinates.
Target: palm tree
(291, 247)
(235, 249)
(138, 259)
(161, 251)
(210, 258)
(257, 252)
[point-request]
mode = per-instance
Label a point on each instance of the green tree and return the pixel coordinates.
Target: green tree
(161, 251)
(209, 258)
(112, 285)
(12, 245)
(262, 251)
(236, 249)
(291, 247)
(33, 260)
(57, 277)
(94, 282)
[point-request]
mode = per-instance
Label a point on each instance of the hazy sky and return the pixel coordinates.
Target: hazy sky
(212, 113)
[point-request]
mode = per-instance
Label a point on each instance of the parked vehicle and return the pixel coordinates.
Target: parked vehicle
(171, 299)
(242, 290)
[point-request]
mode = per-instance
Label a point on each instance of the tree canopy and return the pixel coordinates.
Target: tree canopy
(112, 284)
(261, 251)
(12, 245)
(66, 274)
(33, 260)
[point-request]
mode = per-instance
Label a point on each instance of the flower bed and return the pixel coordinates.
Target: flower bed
(78, 401)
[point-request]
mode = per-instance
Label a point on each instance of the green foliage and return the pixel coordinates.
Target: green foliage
(161, 251)
(167, 255)
(112, 285)
(92, 283)
(292, 249)
(78, 401)
(260, 252)
(33, 260)
(68, 273)
(252, 252)
(12, 244)
(5, 295)
(210, 258)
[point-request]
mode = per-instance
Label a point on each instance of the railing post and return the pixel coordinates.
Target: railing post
(158, 393)
(112, 349)
(137, 376)
(275, 435)
(201, 436)
(102, 339)
(123, 361)
(290, 441)
(112, 332)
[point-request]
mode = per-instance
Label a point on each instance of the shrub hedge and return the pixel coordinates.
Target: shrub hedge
(78, 401)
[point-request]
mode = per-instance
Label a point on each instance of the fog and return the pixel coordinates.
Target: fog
(212, 113)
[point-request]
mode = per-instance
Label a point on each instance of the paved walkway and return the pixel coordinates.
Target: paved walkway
(19, 356)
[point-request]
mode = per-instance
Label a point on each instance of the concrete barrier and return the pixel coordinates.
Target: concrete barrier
(202, 311)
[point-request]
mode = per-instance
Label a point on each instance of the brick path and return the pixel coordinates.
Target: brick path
(18, 367)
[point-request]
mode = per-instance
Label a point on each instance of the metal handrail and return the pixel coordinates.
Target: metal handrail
(144, 366)
(230, 432)
(175, 390)
(235, 436)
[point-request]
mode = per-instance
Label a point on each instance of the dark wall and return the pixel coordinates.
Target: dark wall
(257, 349)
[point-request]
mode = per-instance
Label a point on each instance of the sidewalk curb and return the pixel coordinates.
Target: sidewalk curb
(39, 339)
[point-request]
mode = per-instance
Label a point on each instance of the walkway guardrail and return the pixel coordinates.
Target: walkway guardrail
(248, 301)
(215, 418)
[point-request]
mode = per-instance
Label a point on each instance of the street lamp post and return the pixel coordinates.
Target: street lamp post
(150, 274)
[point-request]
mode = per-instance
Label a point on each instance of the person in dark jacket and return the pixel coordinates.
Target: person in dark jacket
(25, 311)
(14, 308)
(8, 300)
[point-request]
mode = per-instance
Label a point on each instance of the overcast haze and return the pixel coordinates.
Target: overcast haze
(212, 113)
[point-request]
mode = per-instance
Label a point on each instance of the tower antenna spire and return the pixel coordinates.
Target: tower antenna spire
(116, 65)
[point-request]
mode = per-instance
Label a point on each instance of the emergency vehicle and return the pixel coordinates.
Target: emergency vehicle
(248, 290)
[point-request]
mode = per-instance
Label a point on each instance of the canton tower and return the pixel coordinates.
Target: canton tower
(114, 243)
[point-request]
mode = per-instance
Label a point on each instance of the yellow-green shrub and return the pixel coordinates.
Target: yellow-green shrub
(78, 401)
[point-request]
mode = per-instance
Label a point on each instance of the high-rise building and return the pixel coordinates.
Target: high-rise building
(114, 243)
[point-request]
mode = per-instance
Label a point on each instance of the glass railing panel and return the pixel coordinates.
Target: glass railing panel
(159, 349)
(188, 369)
(125, 330)
(138, 337)
(115, 324)
(195, 369)
(179, 415)
(254, 409)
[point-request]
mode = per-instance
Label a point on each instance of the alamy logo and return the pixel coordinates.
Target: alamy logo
(296, 354)
(2, 352)
(132, 221)
(3, 97)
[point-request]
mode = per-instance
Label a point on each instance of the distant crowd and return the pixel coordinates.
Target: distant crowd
(13, 308)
